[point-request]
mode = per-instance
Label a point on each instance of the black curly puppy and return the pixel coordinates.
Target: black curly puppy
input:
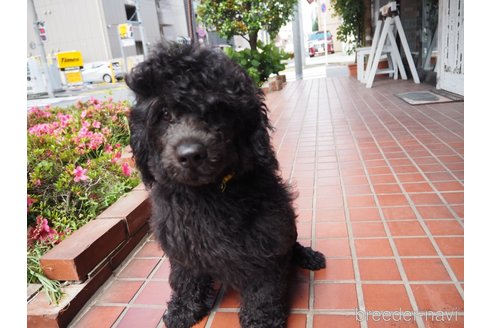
(199, 135)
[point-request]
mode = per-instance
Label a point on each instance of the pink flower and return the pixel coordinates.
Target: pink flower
(83, 114)
(38, 182)
(83, 132)
(38, 112)
(79, 173)
(93, 100)
(105, 131)
(96, 140)
(96, 124)
(127, 170)
(64, 119)
(42, 129)
(108, 148)
(33, 109)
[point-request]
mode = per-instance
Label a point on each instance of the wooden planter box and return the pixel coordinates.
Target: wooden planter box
(88, 257)
(276, 83)
(265, 88)
(352, 67)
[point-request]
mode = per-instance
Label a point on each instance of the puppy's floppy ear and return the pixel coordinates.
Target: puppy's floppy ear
(139, 141)
(141, 80)
(260, 140)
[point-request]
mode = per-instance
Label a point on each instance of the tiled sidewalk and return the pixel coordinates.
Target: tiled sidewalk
(380, 194)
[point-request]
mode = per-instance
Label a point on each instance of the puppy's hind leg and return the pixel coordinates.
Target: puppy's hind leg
(307, 258)
(190, 301)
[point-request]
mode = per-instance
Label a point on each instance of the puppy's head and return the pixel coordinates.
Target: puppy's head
(198, 118)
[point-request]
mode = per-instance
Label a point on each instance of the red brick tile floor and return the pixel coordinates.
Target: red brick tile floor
(380, 193)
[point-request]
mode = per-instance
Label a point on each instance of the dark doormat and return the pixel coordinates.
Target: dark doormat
(429, 97)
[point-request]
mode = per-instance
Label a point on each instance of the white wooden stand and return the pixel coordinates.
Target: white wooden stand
(363, 72)
(390, 17)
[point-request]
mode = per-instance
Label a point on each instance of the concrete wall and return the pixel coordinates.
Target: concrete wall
(173, 19)
(70, 25)
(115, 14)
(90, 26)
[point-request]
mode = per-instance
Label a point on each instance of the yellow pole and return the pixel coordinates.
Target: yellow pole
(113, 78)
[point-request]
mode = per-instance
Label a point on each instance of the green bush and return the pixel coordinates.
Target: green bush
(261, 63)
(73, 173)
(351, 30)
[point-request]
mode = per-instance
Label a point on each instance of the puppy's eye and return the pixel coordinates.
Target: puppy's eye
(167, 116)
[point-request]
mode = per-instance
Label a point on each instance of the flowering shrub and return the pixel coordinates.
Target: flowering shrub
(73, 169)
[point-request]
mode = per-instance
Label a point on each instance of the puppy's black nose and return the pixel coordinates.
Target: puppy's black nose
(191, 154)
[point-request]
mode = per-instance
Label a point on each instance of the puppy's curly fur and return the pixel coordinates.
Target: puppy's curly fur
(200, 138)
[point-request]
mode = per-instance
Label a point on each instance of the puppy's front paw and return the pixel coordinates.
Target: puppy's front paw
(181, 316)
(176, 320)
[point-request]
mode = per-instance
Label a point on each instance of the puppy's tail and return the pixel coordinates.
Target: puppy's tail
(307, 258)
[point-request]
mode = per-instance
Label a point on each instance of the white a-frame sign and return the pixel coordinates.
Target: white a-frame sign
(389, 14)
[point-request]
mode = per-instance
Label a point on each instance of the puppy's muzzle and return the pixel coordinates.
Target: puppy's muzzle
(191, 154)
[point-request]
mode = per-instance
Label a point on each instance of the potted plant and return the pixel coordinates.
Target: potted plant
(260, 63)
(352, 29)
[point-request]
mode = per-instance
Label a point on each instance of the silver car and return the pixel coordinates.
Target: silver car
(97, 72)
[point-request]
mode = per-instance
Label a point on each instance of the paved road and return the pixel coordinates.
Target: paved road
(314, 68)
(118, 91)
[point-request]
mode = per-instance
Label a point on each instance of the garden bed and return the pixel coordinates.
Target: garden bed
(87, 258)
(85, 212)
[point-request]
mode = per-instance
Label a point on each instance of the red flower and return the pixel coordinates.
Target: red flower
(127, 170)
(42, 232)
(116, 157)
(30, 201)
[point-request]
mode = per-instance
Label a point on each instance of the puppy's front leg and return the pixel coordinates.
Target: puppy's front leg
(190, 298)
(264, 303)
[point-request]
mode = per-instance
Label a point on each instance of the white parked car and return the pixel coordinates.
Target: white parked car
(101, 72)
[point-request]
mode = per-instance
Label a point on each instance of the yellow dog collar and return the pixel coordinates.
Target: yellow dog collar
(225, 180)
